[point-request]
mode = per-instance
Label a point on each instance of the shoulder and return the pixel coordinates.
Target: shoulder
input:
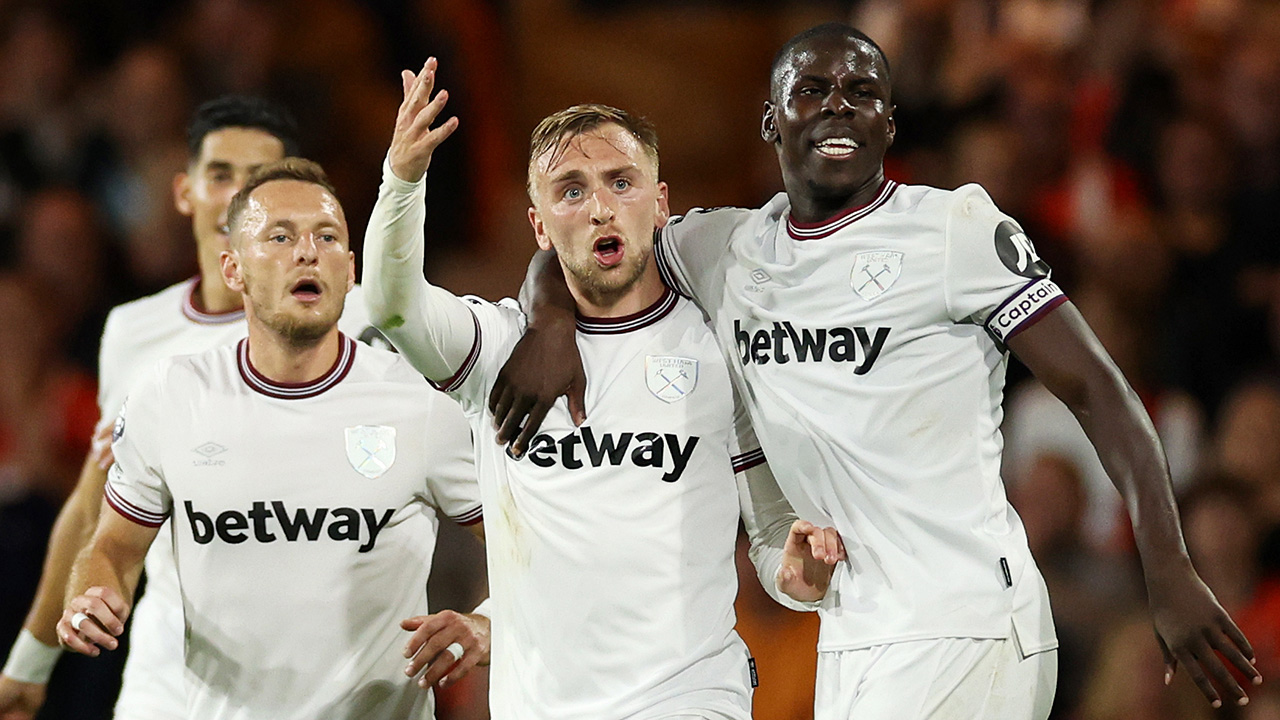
(165, 304)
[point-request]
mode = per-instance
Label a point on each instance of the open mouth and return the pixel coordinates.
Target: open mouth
(306, 290)
(608, 250)
(837, 147)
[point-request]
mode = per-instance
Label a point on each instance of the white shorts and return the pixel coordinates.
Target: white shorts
(954, 678)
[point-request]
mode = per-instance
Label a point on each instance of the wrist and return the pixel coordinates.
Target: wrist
(30, 660)
(484, 609)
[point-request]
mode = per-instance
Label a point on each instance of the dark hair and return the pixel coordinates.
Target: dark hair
(290, 168)
(246, 112)
(826, 30)
(556, 130)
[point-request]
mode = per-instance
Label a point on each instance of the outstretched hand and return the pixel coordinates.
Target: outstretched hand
(1195, 632)
(808, 560)
(538, 371)
(414, 139)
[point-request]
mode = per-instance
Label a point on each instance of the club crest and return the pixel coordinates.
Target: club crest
(371, 449)
(875, 272)
(670, 379)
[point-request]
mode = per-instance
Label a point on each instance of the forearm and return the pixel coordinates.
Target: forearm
(544, 296)
(429, 325)
(1065, 355)
(71, 533)
(767, 518)
(113, 559)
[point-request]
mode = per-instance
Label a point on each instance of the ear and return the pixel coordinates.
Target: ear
(893, 125)
(768, 128)
(182, 193)
(351, 270)
(231, 274)
(664, 206)
(539, 230)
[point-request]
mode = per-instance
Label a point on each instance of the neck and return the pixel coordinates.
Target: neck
(282, 360)
(811, 204)
(213, 296)
(645, 291)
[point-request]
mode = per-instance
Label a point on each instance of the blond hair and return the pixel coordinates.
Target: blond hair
(554, 133)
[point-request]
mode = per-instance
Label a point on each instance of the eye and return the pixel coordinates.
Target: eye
(573, 193)
(808, 90)
(621, 184)
(328, 238)
(279, 238)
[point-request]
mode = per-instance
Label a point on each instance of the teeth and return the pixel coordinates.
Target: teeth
(837, 147)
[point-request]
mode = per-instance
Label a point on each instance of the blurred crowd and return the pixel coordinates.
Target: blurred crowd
(1137, 142)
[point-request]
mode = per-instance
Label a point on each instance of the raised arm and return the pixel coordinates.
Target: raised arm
(1190, 625)
(100, 594)
(430, 326)
(545, 364)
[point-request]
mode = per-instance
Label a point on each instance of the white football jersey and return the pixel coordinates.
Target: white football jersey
(137, 335)
(610, 545)
(304, 520)
(870, 350)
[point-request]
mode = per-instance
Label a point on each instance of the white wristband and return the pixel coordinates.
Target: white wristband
(485, 608)
(30, 660)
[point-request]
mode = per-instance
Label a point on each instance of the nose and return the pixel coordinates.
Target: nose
(837, 104)
(307, 250)
(600, 207)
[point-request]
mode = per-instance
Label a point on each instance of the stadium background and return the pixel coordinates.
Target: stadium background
(1138, 142)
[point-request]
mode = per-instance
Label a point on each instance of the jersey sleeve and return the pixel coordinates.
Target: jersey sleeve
(497, 328)
(993, 276)
(691, 247)
(452, 486)
(766, 515)
(429, 325)
(111, 362)
(135, 483)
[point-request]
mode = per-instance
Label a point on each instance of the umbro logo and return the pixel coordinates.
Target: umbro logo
(208, 451)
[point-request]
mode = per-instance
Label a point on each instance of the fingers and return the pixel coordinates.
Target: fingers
(436, 643)
(514, 420)
(90, 622)
(1233, 654)
(501, 398)
(1233, 632)
(1198, 676)
(536, 415)
(577, 398)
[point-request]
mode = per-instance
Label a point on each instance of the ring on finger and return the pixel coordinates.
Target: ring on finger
(77, 619)
(456, 650)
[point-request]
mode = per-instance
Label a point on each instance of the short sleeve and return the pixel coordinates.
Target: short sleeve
(135, 484)
(498, 327)
(691, 247)
(452, 485)
(993, 275)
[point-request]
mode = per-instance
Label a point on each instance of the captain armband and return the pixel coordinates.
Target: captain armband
(1023, 309)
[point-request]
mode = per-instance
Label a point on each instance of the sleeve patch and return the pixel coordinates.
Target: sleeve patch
(1015, 250)
(1024, 308)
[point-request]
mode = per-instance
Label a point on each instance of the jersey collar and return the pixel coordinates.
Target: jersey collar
(296, 391)
(628, 323)
(197, 315)
(813, 231)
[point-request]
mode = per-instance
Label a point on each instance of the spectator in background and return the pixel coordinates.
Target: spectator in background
(1084, 582)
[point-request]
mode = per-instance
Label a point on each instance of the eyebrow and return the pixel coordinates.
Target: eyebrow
(578, 174)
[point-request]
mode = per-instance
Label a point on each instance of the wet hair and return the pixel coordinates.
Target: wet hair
(556, 130)
(245, 112)
(290, 168)
(826, 30)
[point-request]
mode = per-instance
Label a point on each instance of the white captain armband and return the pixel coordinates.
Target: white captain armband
(1023, 309)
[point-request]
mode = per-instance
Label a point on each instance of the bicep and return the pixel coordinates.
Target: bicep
(1063, 353)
